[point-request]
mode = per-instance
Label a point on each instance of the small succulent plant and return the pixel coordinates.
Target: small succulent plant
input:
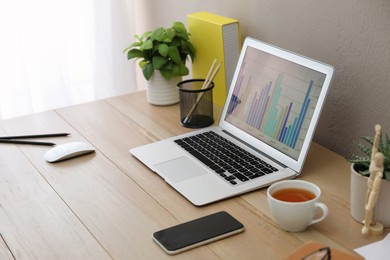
(363, 161)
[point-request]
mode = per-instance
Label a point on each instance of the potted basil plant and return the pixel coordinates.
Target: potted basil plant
(165, 50)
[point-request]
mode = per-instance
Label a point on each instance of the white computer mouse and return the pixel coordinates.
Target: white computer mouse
(68, 150)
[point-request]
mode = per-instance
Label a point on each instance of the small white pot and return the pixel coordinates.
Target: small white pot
(358, 198)
(160, 91)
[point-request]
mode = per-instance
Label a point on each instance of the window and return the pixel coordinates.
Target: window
(56, 53)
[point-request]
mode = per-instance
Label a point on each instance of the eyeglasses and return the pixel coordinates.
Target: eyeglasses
(320, 254)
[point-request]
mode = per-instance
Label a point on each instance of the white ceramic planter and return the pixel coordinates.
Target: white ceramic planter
(358, 197)
(160, 91)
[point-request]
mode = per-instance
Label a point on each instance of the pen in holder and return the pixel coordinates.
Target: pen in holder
(196, 103)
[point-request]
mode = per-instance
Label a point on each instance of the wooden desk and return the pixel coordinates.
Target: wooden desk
(107, 205)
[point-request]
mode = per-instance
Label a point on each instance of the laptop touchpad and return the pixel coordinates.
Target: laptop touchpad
(180, 169)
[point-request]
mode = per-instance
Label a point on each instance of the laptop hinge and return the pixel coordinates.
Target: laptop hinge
(255, 149)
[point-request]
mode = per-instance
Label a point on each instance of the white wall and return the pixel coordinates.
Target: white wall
(351, 35)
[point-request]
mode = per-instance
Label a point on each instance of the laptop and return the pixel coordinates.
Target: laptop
(267, 124)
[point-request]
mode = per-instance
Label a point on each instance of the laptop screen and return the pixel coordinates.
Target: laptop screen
(274, 97)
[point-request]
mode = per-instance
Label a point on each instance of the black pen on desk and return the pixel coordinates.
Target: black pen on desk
(33, 136)
(26, 142)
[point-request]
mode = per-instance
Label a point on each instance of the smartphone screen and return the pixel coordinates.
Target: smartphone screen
(197, 232)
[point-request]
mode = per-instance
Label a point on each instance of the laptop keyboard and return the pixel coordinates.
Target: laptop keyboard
(225, 158)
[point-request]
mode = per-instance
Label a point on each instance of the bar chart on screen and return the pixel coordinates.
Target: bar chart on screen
(274, 103)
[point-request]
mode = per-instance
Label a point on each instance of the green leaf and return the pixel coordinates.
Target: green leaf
(365, 173)
(169, 35)
(147, 45)
(134, 44)
(167, 74)
(174, 54)
(176, 42)
(159, 61)
(157, 34)
(142, 63)
(175, 70)
(363, 148)
(147, 70)
(163, 49)
(360, 160)
(135, 53)
(189, 49)
(368, 139)
(179, 27)
(145, 35)
(183, 36)
(184, 71)
(167, 66)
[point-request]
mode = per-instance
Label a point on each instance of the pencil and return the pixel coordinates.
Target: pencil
(34, 136)
(8, 141)
(208, 80)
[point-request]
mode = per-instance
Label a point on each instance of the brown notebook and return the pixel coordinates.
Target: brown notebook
(311, 247)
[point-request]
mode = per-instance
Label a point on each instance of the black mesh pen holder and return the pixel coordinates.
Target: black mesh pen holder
(196, 103)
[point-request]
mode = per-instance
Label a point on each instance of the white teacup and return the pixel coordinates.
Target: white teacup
(295, 216)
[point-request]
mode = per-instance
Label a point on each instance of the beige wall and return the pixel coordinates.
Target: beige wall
(351, 35)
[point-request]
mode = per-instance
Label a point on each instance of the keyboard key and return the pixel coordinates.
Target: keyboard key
(240, 176)
(230, 178)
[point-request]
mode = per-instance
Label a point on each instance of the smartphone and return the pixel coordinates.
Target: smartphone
(197, 232)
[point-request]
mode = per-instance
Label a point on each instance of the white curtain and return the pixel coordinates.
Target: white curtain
(55, 53)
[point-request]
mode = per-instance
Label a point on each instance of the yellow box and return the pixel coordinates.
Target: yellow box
(215, 36)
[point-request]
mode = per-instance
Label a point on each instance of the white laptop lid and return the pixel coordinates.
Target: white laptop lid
(275, 100)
